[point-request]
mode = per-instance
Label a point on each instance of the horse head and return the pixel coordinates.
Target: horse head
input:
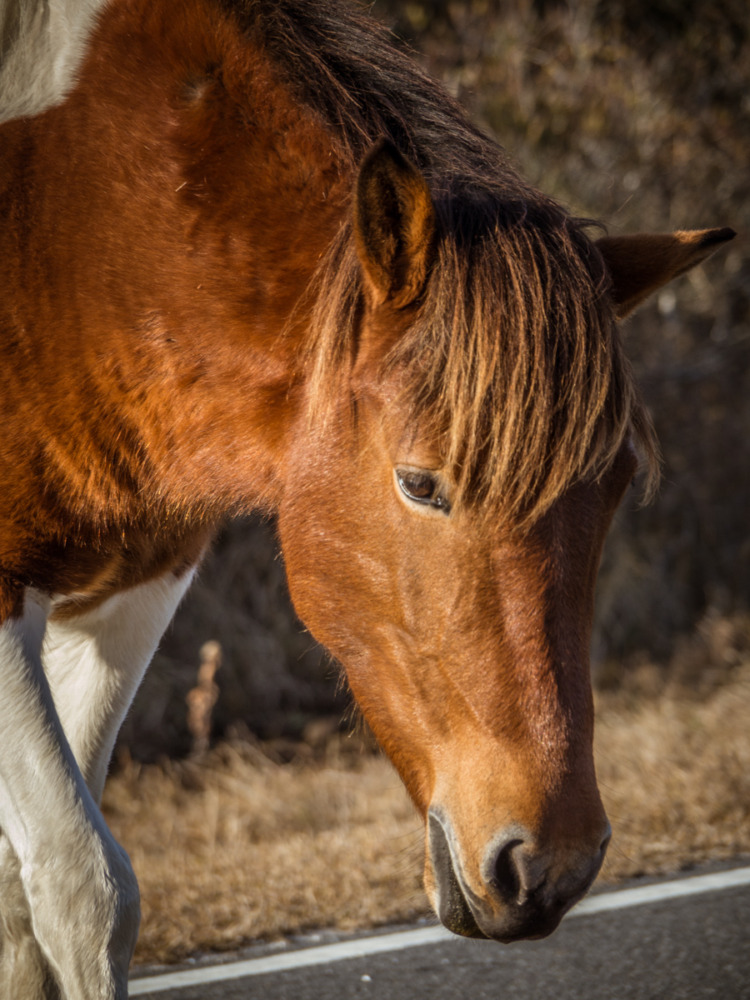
(463, 616)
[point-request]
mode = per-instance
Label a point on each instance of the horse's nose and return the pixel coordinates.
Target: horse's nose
(511, 874)
(521, 877)
(522, 892)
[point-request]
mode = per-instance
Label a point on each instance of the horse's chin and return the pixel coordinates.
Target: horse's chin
(460, 920)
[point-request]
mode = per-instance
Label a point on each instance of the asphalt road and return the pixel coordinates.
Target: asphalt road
(692, 947)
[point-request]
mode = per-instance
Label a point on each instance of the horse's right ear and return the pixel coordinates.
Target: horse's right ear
(394, 226)
(640, 264)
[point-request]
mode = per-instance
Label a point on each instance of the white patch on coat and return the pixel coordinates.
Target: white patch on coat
(95, 662)
(42, 44)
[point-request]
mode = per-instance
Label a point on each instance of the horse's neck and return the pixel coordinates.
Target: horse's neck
(167, 241)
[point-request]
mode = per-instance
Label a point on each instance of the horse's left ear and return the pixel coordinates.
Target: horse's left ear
(394, 226)
(640, 264)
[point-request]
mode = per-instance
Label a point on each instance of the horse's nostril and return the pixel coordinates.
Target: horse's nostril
(507, 876)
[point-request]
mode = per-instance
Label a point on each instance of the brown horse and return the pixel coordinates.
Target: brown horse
(257, 259)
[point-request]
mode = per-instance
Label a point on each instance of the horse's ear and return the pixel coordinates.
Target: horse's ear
(394, 226)
(640, 264)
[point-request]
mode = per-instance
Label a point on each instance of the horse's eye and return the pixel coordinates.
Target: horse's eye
(417, 485)
(422, 487)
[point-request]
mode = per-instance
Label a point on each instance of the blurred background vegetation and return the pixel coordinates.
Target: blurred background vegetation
(635, 112)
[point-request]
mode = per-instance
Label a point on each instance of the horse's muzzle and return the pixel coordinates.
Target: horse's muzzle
(524, 893)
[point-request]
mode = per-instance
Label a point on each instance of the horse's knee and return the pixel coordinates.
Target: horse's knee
(24, 971)
(85, 917)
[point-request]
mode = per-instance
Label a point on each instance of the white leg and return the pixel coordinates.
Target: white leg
(81, 891)
(23, 969)
(78, 882)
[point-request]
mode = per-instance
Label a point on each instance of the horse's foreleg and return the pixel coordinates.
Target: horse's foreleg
(23, 969)
(93, 663)
(80, 888)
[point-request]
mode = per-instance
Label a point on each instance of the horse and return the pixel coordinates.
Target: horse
(256, 259)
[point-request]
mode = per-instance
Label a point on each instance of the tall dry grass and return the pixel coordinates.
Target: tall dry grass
(240, 847)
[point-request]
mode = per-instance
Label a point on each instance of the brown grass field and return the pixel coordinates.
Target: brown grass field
(238, 847)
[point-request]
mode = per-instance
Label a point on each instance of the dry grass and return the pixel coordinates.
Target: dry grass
(675, 778)
(237, 847)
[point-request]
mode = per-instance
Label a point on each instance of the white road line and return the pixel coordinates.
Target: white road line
(662, 891)
(362, 947)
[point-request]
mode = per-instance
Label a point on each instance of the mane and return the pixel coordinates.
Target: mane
(513, 363)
